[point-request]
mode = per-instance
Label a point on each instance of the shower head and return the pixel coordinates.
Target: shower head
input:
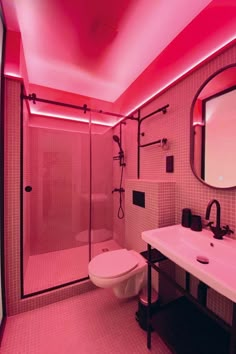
(121, 152)
(116, 139)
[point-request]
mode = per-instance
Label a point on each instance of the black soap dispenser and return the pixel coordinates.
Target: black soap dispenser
(186, 217)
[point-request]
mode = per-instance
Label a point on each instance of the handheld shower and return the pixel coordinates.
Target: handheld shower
(117, 140)
(120, 157)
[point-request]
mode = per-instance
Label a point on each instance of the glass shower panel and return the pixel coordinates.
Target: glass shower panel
(101, 187)
(55, 212)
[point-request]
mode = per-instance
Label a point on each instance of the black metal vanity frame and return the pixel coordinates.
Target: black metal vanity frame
(202, 318)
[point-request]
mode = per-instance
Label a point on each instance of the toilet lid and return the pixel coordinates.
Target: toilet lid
(112, 264)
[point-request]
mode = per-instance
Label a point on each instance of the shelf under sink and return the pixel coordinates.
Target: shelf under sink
(187, 330)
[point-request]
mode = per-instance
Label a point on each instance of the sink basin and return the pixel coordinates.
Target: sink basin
(183, 246)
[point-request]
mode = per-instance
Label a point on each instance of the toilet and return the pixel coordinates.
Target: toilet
(122, 270)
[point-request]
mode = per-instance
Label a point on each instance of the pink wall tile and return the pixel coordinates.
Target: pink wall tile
(175, 126)
(11, 194)
(159, 209)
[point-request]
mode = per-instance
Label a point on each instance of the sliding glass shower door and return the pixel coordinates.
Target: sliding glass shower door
(101, 191)
(56, 205)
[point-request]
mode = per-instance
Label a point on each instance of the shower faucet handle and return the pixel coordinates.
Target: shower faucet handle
(115, 190)
(228, 230)
(120, 190)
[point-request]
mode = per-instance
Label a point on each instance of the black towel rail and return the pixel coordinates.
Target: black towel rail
(162, 141)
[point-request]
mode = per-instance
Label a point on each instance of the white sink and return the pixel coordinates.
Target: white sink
(182, 246)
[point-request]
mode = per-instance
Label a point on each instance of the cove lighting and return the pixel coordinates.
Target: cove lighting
(79, 119)
(10, 74)
(200, 61)
(198, 123)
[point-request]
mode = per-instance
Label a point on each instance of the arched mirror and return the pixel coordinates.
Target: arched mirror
(213, 130)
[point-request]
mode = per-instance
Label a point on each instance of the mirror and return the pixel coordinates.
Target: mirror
(213, 130)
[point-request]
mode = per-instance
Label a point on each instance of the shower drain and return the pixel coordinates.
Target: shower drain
(105, 249)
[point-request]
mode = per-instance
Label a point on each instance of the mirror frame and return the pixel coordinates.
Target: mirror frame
(192, 127)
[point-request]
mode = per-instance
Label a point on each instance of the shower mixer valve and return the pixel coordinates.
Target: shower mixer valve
(120, 190)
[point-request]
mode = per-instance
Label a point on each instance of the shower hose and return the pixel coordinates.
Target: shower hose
(121, 213)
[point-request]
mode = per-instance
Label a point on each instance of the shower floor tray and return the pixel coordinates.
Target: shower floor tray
(51, 269)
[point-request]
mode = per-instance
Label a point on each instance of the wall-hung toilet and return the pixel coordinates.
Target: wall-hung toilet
(122, 270)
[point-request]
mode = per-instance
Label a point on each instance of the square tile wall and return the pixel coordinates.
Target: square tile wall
(175, 126)
(159, 210)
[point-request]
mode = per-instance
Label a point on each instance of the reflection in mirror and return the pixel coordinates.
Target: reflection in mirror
(213, 130)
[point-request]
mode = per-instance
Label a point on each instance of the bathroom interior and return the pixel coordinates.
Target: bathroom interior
(107, 131)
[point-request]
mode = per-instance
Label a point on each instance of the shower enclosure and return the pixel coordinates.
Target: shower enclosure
(66, 199)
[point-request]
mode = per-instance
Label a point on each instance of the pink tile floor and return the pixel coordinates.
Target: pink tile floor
(54, 268)
(90, 323)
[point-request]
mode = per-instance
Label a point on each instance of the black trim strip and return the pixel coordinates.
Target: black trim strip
(21, 196)
(54, 288)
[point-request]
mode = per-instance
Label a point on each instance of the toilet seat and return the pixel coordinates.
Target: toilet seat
(112, 264)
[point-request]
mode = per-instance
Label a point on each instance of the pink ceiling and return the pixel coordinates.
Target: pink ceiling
(121, 51)
(96, 48)
(213, 29)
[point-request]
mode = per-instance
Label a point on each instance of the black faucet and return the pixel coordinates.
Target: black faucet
(217, 230)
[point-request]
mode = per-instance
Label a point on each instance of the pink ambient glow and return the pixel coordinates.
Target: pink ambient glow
(12, 52)
(182, 74)
(101, 53)
(105, 46)
(79, 119)
(47, 114)
(198, 123)
(11, 74)
(32, 337)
